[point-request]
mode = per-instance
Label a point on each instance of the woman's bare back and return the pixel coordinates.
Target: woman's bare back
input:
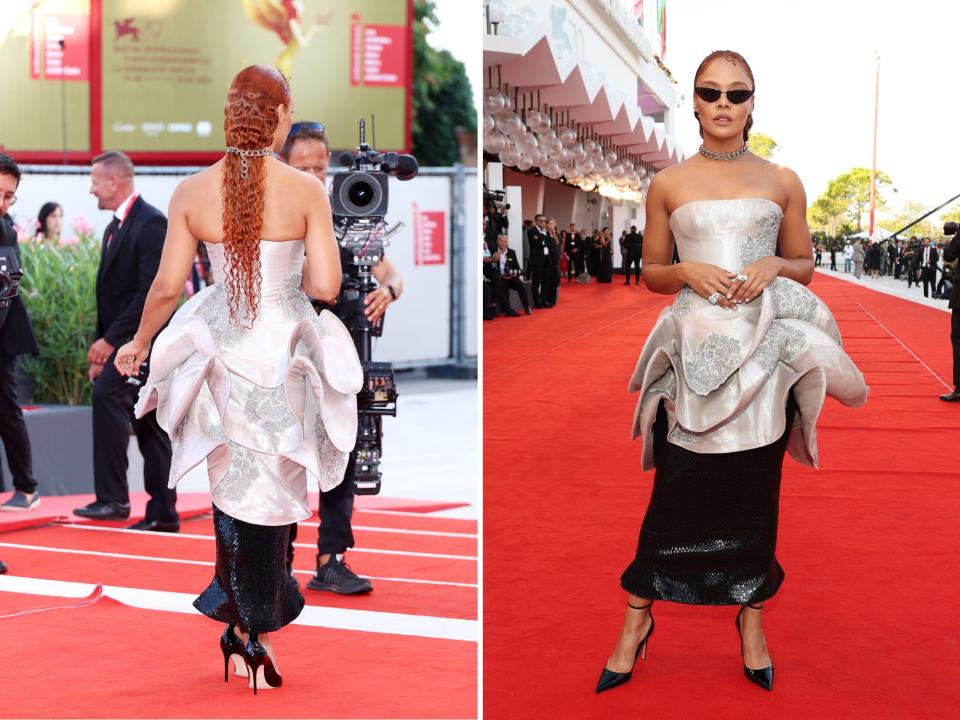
(286, 191)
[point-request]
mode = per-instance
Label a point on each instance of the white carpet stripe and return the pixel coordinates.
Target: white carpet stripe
(197, 536)
(335, 618)
(153, 558)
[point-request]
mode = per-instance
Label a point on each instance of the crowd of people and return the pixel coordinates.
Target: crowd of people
(918, 262)
(578, 255)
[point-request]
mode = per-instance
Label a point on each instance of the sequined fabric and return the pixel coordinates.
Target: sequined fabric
(251, 587)
(723, 374)
(710, 532)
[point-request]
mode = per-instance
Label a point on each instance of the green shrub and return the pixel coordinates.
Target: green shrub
(59, 289)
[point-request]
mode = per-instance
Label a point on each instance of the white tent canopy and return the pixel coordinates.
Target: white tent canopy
(879, 234)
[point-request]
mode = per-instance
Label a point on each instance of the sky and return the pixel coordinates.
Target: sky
(814, 63)
(460, 30)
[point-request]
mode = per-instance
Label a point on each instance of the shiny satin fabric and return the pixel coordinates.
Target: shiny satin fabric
(722, 374)
(269, 406)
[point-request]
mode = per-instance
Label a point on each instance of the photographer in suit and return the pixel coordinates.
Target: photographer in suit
(539, 261)
(16, 338)
(129, 259)
(929, 257)
(507, 267)
(950, 254)
(308, 150)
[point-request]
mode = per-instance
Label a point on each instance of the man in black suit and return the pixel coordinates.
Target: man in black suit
(130, 257)
(507, 267)
(574, 252)
(950, 254)
(16, 338)
(539, 265)
(634, 252)
(928, 267)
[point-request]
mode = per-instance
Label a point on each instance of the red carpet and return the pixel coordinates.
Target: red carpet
(104, 658)
(864, 625)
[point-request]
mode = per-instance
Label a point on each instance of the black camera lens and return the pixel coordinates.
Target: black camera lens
(360, 194)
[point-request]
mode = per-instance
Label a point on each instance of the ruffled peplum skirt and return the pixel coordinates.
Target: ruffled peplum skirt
(266, 409)
(724, 395)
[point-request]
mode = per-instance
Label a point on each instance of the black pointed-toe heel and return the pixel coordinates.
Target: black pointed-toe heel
(764, 676)
(260, 665)
(609, 678)
(232, 647)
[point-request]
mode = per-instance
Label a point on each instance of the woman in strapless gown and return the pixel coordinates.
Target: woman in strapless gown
(732, 375)
(248, 381)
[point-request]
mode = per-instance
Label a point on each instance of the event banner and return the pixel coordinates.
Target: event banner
(161, 69)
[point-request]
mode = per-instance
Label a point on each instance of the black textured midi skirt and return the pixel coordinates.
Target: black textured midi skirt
(251, 587)
(709, 535)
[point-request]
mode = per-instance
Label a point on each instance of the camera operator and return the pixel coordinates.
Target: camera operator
(950, 254)
(307, 150)
(508, 270)
(16, 338)
(495, 211)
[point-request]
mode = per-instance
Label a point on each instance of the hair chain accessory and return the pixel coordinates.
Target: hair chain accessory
(710, 155)
(244, 154)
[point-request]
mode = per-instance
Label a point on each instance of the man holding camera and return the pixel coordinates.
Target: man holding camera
(307, 150)
(16, 338)
(129, 260)
(507, 268)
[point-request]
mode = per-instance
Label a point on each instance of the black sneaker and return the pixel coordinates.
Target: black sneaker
(336, 576)
(20, 501)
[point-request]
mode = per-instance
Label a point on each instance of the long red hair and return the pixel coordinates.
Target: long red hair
(250, 120)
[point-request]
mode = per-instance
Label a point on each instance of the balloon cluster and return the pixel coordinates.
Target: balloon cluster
(557, 152)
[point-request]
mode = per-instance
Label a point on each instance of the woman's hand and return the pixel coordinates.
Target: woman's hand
(130, 357)
(759, 275)
(706, 279)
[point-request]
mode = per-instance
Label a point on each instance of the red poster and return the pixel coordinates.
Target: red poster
(429, 237)
(59, 46)
(378, 54)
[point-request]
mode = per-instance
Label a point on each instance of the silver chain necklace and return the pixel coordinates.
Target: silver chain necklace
(244, 154)
(710, 155)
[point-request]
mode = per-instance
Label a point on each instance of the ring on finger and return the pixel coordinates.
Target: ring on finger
(742, 278)
(714, 299)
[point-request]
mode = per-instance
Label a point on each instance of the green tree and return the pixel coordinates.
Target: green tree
(910, 211)
(849, 194)
(762, 145)
(951, 214)
(442, 98)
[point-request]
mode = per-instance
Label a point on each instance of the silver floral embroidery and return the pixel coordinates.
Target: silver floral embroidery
(671, 391)
(333, 463)
(681, 305)
(243, 468)
(293, 300)
(782, 342)
(793, 300)
(215, 311)
(268, 409)
(177, 455)
(679, 436)
(715, 358)
(764, 242)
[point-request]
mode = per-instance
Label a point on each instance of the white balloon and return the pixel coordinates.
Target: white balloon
(627, 165)
(584, 167)
(528, 142)
(510, 156)
(578, 152)
(487, 122)
(494, 101)
(547, 138)
(533, 117)
(611, 157)
(641, 172)
(494, 142)
(589, 145)
(524, 163)
(497, 11)
(567, 155)
(508, 123)
(567, 136)
(513, 26)
(543, 127)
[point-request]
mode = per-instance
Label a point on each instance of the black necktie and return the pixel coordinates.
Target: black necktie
(110, 232)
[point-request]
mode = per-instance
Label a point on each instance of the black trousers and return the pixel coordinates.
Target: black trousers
(912, 276)
(580, 263)
(13, 431)
(336, 508)
(551, 283)
(929, 278)
(955, 341)
(629, 262)
(538, 278)
(113, 401)
(516, 284)
(571, 265)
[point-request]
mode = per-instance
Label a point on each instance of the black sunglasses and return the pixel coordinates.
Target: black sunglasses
(711, 95)
(299, 127)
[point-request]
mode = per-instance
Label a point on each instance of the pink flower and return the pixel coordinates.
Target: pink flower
(72, 240)
(82, 227)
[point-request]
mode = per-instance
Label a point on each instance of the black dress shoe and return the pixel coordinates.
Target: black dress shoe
(3, 568)
(527, 311)
(104, 511)
(156, 526)
(336, 576)
(538, 306)
(952, 397)
(512, 313)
